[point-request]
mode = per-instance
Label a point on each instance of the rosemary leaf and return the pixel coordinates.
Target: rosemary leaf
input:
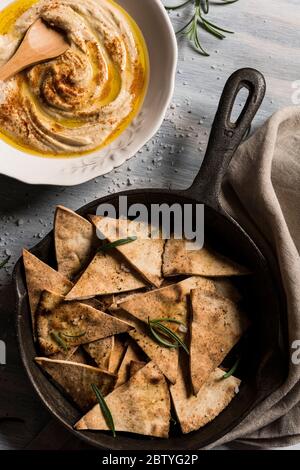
(74, 336)
(105, 410)
(122, 241)
(59, 340)
(156, 324)
(161, 340)
(3, 263)
(173, 335)
(232, 370)
(169, 320)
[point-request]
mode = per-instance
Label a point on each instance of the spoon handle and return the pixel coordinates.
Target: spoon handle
(13, 66)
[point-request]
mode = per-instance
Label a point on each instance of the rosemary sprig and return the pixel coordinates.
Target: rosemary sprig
(4, 262)
(122, 241)
(232, 370)
(59, 340)
(73, 336)
(156, 327)
(191, 29)
(105, 410)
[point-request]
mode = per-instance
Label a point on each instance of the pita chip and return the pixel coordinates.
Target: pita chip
(144, 254)
(167, 302)
(63, 324)
(40, 276)
(76, 379)
(166, 359)
(106, 274)
(132, 354)
(117, 354)
(74, 354)
(135, 366)
(217, 325)
(140, 406)
(75, 240)
(192, 411)
(100, 351)
(178, 259)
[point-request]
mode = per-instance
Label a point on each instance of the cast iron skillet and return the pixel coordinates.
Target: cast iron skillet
(264, 365)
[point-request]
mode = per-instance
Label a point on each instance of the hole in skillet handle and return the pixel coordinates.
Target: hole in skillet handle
(226, 136)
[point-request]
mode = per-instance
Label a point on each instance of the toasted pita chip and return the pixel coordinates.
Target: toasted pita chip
(192, 411)
(217, 325)
(144, 254)
(75, 354)
(102, 303)
(39, 276)
(167, 302)
(100, 351)
(117, 354)
(75, 240)
(135, 366)
(140, 406)
(178, 259)
(132, 354)
(74, 323)
(65, 355)
(165, 358)
(106, 274)
(76, 379)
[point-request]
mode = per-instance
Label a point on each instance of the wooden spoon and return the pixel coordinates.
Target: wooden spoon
(39, 44)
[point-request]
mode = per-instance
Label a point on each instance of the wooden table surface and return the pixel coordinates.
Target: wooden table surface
(267, 37)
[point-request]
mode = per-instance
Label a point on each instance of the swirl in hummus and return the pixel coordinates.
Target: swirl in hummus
(84, 98)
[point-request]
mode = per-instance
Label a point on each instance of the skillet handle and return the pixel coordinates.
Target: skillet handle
(226, 136)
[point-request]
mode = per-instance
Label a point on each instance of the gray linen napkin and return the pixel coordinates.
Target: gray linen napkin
(265, 178)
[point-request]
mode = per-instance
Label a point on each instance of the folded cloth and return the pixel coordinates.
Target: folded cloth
(265, 178)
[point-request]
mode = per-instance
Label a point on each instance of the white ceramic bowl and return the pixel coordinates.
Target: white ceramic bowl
(157, 29)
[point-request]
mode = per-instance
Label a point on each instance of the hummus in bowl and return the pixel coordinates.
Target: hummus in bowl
(85, 98)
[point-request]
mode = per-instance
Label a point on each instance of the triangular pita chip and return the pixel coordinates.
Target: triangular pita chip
(74, 354)
(102, 303)
(117, 354)
(76, 379)
(178, 259)
(167, 302)
(39, 276)
(132, 354)
(192, 411)
(140, 406)
(75, 240)
(144, 254)
(100, 351)
(217, 325)
(135, 366)
(166, 359)
(74, 323)
(106, 274)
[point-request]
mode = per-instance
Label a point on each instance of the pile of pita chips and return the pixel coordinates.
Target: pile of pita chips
(91, 321)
